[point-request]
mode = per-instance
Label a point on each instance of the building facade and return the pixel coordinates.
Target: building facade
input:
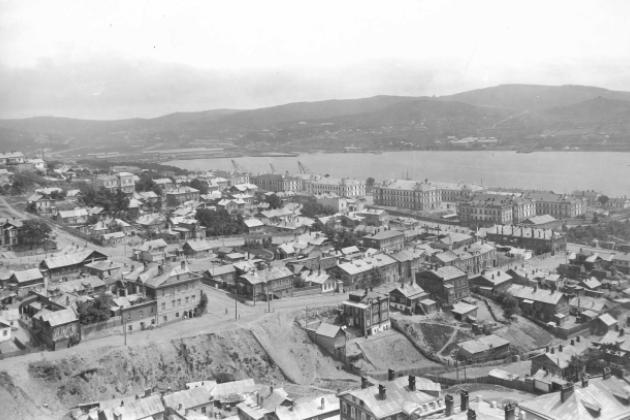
(407, 194)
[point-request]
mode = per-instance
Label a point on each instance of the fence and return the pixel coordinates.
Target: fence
(305, 291)
(112, 326)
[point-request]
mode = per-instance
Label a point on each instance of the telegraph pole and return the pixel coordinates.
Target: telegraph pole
(235, 307)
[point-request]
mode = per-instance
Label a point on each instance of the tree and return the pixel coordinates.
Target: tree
(369, 183)
(96, 310)
(203, 304)
(312, 209)
(34, 233)
(219, 222)
(274, 201)
(603, 200)
(23, 181)
(574, 369)
(509, 304)
(200, 185)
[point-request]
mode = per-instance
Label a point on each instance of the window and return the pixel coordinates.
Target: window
(163, 305)
(165, 318)
(351, 412)
(130, 327)
(344, 408)
(176, 314)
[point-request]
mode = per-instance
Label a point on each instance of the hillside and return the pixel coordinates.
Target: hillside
(534, 97)
(510, 113)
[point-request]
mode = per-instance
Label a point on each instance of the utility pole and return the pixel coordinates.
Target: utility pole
(235, 307)
(122, 315)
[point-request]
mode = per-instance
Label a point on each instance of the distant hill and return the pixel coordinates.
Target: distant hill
(534, 97)
(554, 115)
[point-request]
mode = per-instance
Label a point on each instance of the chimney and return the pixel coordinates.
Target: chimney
(147, 392)
(572, 342)
(606, 373)
(471, 415)
(448, 403)
(412, 383)
(322, 405)
(547, 349)
(364, 382)
(180, 406)
(391, 375)
(382, 392)
(566, 391)
(577, 339)
(509, 411)
(464, 400)
(585, 380)
(560, 348)
(553, 350)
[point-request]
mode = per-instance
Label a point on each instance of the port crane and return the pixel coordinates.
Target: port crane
(237, 167)
(303, 169)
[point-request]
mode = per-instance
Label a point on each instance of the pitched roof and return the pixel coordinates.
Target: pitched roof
(188, 398)
(410, 290)
(607, 319)
(226, 389)
(198, 245)
(366, 263)
(28, 275)
(399, 397)
(448, 272)
(55, 318)
(309, 407)
(270, 274)
(61, 261)
(328, 330)
(602, 399)
(535, 294)
(484, 343)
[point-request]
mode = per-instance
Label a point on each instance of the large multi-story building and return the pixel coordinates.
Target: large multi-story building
(343, 187)
(180, 195)
(448, 284)
(522, 209)
(408, 194)
(485, 209)
(368, 312)
(277, 182)
(176, 290)
(123, 181)
(537, 239)
(367, 271)
(456, 192)
(557, 205)
(391, 240)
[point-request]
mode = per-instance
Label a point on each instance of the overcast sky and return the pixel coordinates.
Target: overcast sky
(130, 58)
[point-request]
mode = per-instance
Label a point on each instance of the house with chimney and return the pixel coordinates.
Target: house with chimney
(407, 297)
(175, 288)
(491, 281)
(543, 304)
(603, 398)
(447, 284)
(68, 265)
(265, 283)
(487, 347)
(556, 359)
(367, 312)
(403, 398)
(391, 240)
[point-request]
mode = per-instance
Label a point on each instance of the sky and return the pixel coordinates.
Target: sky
(143, 58)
